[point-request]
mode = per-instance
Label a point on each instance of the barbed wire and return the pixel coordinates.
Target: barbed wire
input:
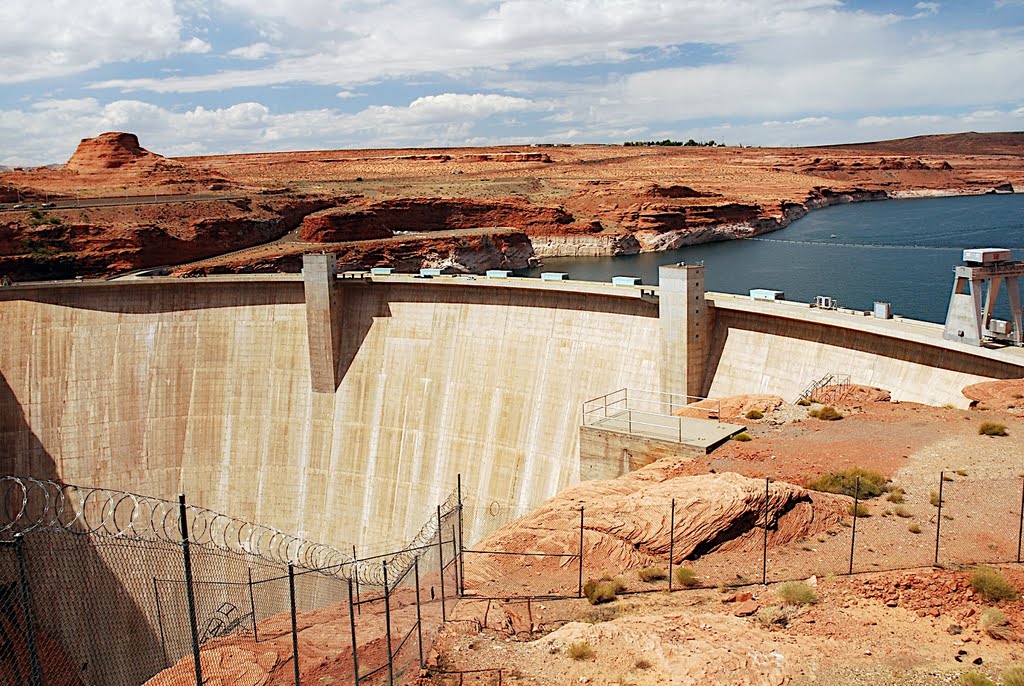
(38, 505)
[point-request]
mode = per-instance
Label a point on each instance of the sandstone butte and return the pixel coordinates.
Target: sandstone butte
(121, 207)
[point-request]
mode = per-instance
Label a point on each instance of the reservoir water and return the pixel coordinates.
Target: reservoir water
(904, 254)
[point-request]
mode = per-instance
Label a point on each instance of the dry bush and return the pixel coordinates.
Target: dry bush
(975, 679)
(914, 528)
(775, 616)
(742, 437)
(991, 584)
(844, 482)
(896, 495)
(654, 573)
(933, 498)
(643, 663)
(796, 593)
(580, 650)
(754, 414)
(826, 413)
(860, 510)
(600, 614)
(685, 576)
(991, 429)
(803, 402)
(1013, 676)
(598, 592)
(996, 624)
(903, 512)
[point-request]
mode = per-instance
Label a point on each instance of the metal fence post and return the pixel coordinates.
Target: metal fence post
(160, 623)
(455, 561)
(295, 627)
(26, 609)
(579, 591)
(764, 555)
(355, 574)
(440, 555)
(462, 546)
(1020, 531)
(938, 518)
(671, 543)
(189, 590)
(252, 606)
(352, 627)
(419, 616)
(387, 621)
(853, 538)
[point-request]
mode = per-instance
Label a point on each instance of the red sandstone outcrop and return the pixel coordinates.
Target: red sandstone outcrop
(733, 407)
(997, 395)
(388, 217)
(111, 150)
(627, 520)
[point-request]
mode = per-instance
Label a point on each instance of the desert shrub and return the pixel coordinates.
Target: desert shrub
(742, 437)
(618, 583)
(803, 402)
(991, 584)
(654, 573)
(947, 477)
(826, 413)
(685, 576)
(975, 679)
(796, 593)
(643, 663)
(754, 414)
(933, 498)
(995, 623)
(872, 484)
(992, 429)
(903, 512)
(858, 510)
(961, 472)
(896, 495)
(580, 650)
(598, 592)
(774, 615)
(1013, 676)
(914, 528)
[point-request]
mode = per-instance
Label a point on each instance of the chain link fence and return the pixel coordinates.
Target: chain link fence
(104, 588)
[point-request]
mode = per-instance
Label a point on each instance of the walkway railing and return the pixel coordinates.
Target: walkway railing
(637, 411)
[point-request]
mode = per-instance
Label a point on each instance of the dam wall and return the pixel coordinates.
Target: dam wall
(780, 348)
(169, 385)
(163, 385)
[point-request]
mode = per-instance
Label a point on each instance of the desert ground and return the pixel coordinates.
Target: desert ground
(898, 619)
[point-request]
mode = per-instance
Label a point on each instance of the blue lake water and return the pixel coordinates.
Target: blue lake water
(907, 250)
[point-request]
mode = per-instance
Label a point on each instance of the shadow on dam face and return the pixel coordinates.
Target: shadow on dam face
(87, 594)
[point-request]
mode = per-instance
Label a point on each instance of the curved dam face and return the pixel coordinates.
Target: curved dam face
(346, 419)
(157, 388)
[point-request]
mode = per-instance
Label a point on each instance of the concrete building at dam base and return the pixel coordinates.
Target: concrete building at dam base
(341, 408)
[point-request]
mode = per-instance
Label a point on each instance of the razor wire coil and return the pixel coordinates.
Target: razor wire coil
(37, 505)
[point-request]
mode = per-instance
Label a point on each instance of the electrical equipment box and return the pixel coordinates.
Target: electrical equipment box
(987, 255)
(766, 294)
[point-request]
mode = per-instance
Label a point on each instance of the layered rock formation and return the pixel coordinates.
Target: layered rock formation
(111, 150)
(627, 521)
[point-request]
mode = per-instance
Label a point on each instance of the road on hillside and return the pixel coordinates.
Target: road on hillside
(81, 203)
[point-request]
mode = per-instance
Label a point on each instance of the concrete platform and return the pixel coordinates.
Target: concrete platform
(702, 434)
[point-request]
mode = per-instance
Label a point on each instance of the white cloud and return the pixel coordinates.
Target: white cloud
(444, 119)
(255, 51)
(927, 9)
(45, 39)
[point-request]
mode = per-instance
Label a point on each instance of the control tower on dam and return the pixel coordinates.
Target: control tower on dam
(341, 408)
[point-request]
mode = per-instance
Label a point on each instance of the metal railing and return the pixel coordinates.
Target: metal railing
(637, 411)
(829, 388)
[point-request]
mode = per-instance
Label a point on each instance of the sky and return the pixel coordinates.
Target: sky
(197, 77)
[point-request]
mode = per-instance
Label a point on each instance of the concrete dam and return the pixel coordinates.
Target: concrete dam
(341, 408)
